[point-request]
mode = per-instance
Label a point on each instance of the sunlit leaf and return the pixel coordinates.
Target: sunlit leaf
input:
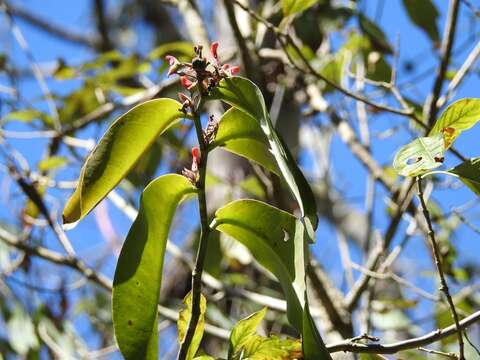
(246, 96)
(21, 331)
(241, 134)
(51, 163)
(291, 7)
(182, 324)
(469, 173)
(118, 150)
(459, 116)
(419, 156)
(243, 330)
(271, 348)
(281, 249)
(424, 14)
(27, 115)
(138, 275)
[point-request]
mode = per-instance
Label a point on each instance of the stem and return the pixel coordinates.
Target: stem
(202, 246)
(438, 263)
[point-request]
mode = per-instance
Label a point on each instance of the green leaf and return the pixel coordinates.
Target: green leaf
(136, 285)
(117, 152)
(245, 343)
(469, 173)
(247, 97)
(51, 163)
(241, 134)
(281, 249)
(419, 156)
(271, 348)
(459, 116)
(182, 324)
(291, 7)
(243, 330)
(424, 14)
(375, 34)
(28, 115)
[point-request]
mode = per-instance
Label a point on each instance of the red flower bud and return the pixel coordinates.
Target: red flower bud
(225, 67)
(213, 50)
(196, 154)
(234, 70)
(187, 84)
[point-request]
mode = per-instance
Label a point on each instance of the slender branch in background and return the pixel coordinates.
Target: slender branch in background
(53, 29)
(408, 344)
(446, 51)
(102, 25)
(460, 75)
(438, 263)
(204, 233)
(37, 72)
(247, 62)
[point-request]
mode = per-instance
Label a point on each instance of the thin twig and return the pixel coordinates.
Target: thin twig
(413, 343)
(438, 263)
(202, 246)
(446, 51)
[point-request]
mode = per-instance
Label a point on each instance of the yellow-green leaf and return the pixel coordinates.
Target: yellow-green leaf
(117, 152)
(243, 330)
(138, 275)
(459, 116)
(291, 7)
(182, 324)
(241, 134)
(419, 156)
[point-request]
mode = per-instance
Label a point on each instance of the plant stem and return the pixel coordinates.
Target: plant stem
(438, 263)
(202, 246)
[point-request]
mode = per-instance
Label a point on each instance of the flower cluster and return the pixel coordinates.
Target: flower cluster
(201, 75)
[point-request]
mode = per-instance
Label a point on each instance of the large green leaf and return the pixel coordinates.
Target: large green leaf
(424, 14)
(469, 173)
(281, 249)
(241, 134)
(182, 324)
(459, 116)
(419, 156)
(291, 7)
(136, 285)
(246, 96)
(116, 153)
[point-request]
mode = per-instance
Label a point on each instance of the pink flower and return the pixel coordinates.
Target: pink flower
(213, 50)
(174, 64)
(187, 84)
(171, 60)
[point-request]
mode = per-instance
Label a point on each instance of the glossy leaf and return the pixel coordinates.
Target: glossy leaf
(136, 285)
(246, 96)
(421, 155)
(469, 173)
(281, 249)
(291, 7)
(243, 330)
(271, 348)
(241, 134)
(117, 152)
(182, 324)
(424, 14)
(459, 116)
